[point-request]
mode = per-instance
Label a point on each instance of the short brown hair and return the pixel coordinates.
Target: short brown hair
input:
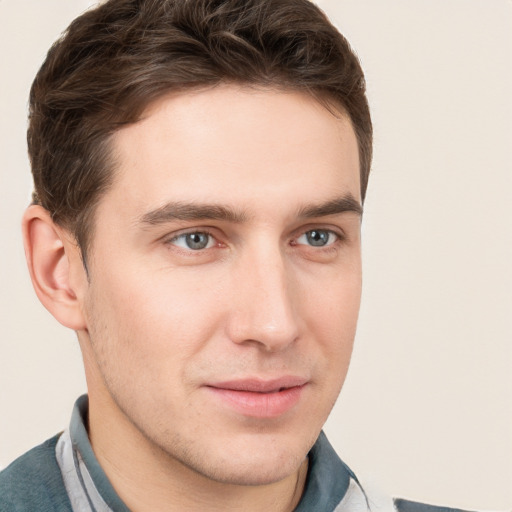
(115, 59)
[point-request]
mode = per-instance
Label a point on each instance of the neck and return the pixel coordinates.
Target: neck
(148, 479)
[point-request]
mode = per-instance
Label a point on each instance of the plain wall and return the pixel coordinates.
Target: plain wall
(426, 411)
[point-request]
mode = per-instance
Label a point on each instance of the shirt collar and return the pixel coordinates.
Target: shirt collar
(81, 443)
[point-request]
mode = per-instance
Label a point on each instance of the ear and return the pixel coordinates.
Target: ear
(52, 258)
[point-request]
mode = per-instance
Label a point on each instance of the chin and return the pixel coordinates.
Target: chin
(254, 473)
(251, 462)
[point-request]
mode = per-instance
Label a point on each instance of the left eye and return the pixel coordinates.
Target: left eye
(194, 241)
(318, 238)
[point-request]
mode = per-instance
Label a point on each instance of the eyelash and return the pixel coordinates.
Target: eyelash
(173, 239)
(330, 245)
(330, 234)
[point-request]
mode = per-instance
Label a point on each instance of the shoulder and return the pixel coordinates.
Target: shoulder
(34, 482)
(402, 505)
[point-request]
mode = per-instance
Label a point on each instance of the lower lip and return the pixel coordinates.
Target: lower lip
(260, 405)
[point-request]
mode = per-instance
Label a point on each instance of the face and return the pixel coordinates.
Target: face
(224, 279)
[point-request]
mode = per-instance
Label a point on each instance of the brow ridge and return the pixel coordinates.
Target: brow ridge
(346, 203)
(173, 211)
(192, 211)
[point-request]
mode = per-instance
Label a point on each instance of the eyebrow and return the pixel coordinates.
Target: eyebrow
(346, 203)
(196, 211)
(192, 211)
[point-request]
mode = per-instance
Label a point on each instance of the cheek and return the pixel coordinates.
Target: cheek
(332, 312)
(154, 319)
(334, 303)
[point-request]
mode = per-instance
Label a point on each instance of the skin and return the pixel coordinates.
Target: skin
(160, 322)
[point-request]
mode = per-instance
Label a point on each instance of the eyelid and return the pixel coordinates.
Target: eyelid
(170, 239)
(331, 232)
(335, 230)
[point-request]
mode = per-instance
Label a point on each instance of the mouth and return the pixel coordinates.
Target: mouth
(259, 398)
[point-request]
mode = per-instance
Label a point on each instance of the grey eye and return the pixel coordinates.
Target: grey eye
(317, 238)
(195, 241)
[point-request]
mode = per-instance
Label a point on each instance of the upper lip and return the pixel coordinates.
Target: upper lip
(257, 385)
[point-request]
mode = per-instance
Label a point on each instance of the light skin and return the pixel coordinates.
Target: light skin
(218, 314)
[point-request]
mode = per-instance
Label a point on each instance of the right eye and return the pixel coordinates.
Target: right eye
(193, 241)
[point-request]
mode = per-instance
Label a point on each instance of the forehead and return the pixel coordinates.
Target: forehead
(235, 144)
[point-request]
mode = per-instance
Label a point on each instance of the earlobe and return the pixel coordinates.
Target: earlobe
(50, 255)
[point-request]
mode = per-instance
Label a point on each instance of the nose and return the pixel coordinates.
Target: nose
(263, 311)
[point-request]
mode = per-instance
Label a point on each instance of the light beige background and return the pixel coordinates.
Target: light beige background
(427, 409)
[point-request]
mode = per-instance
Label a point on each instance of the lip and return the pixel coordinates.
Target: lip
(259, 398)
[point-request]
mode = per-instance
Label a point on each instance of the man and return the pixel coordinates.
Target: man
(200, 169)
